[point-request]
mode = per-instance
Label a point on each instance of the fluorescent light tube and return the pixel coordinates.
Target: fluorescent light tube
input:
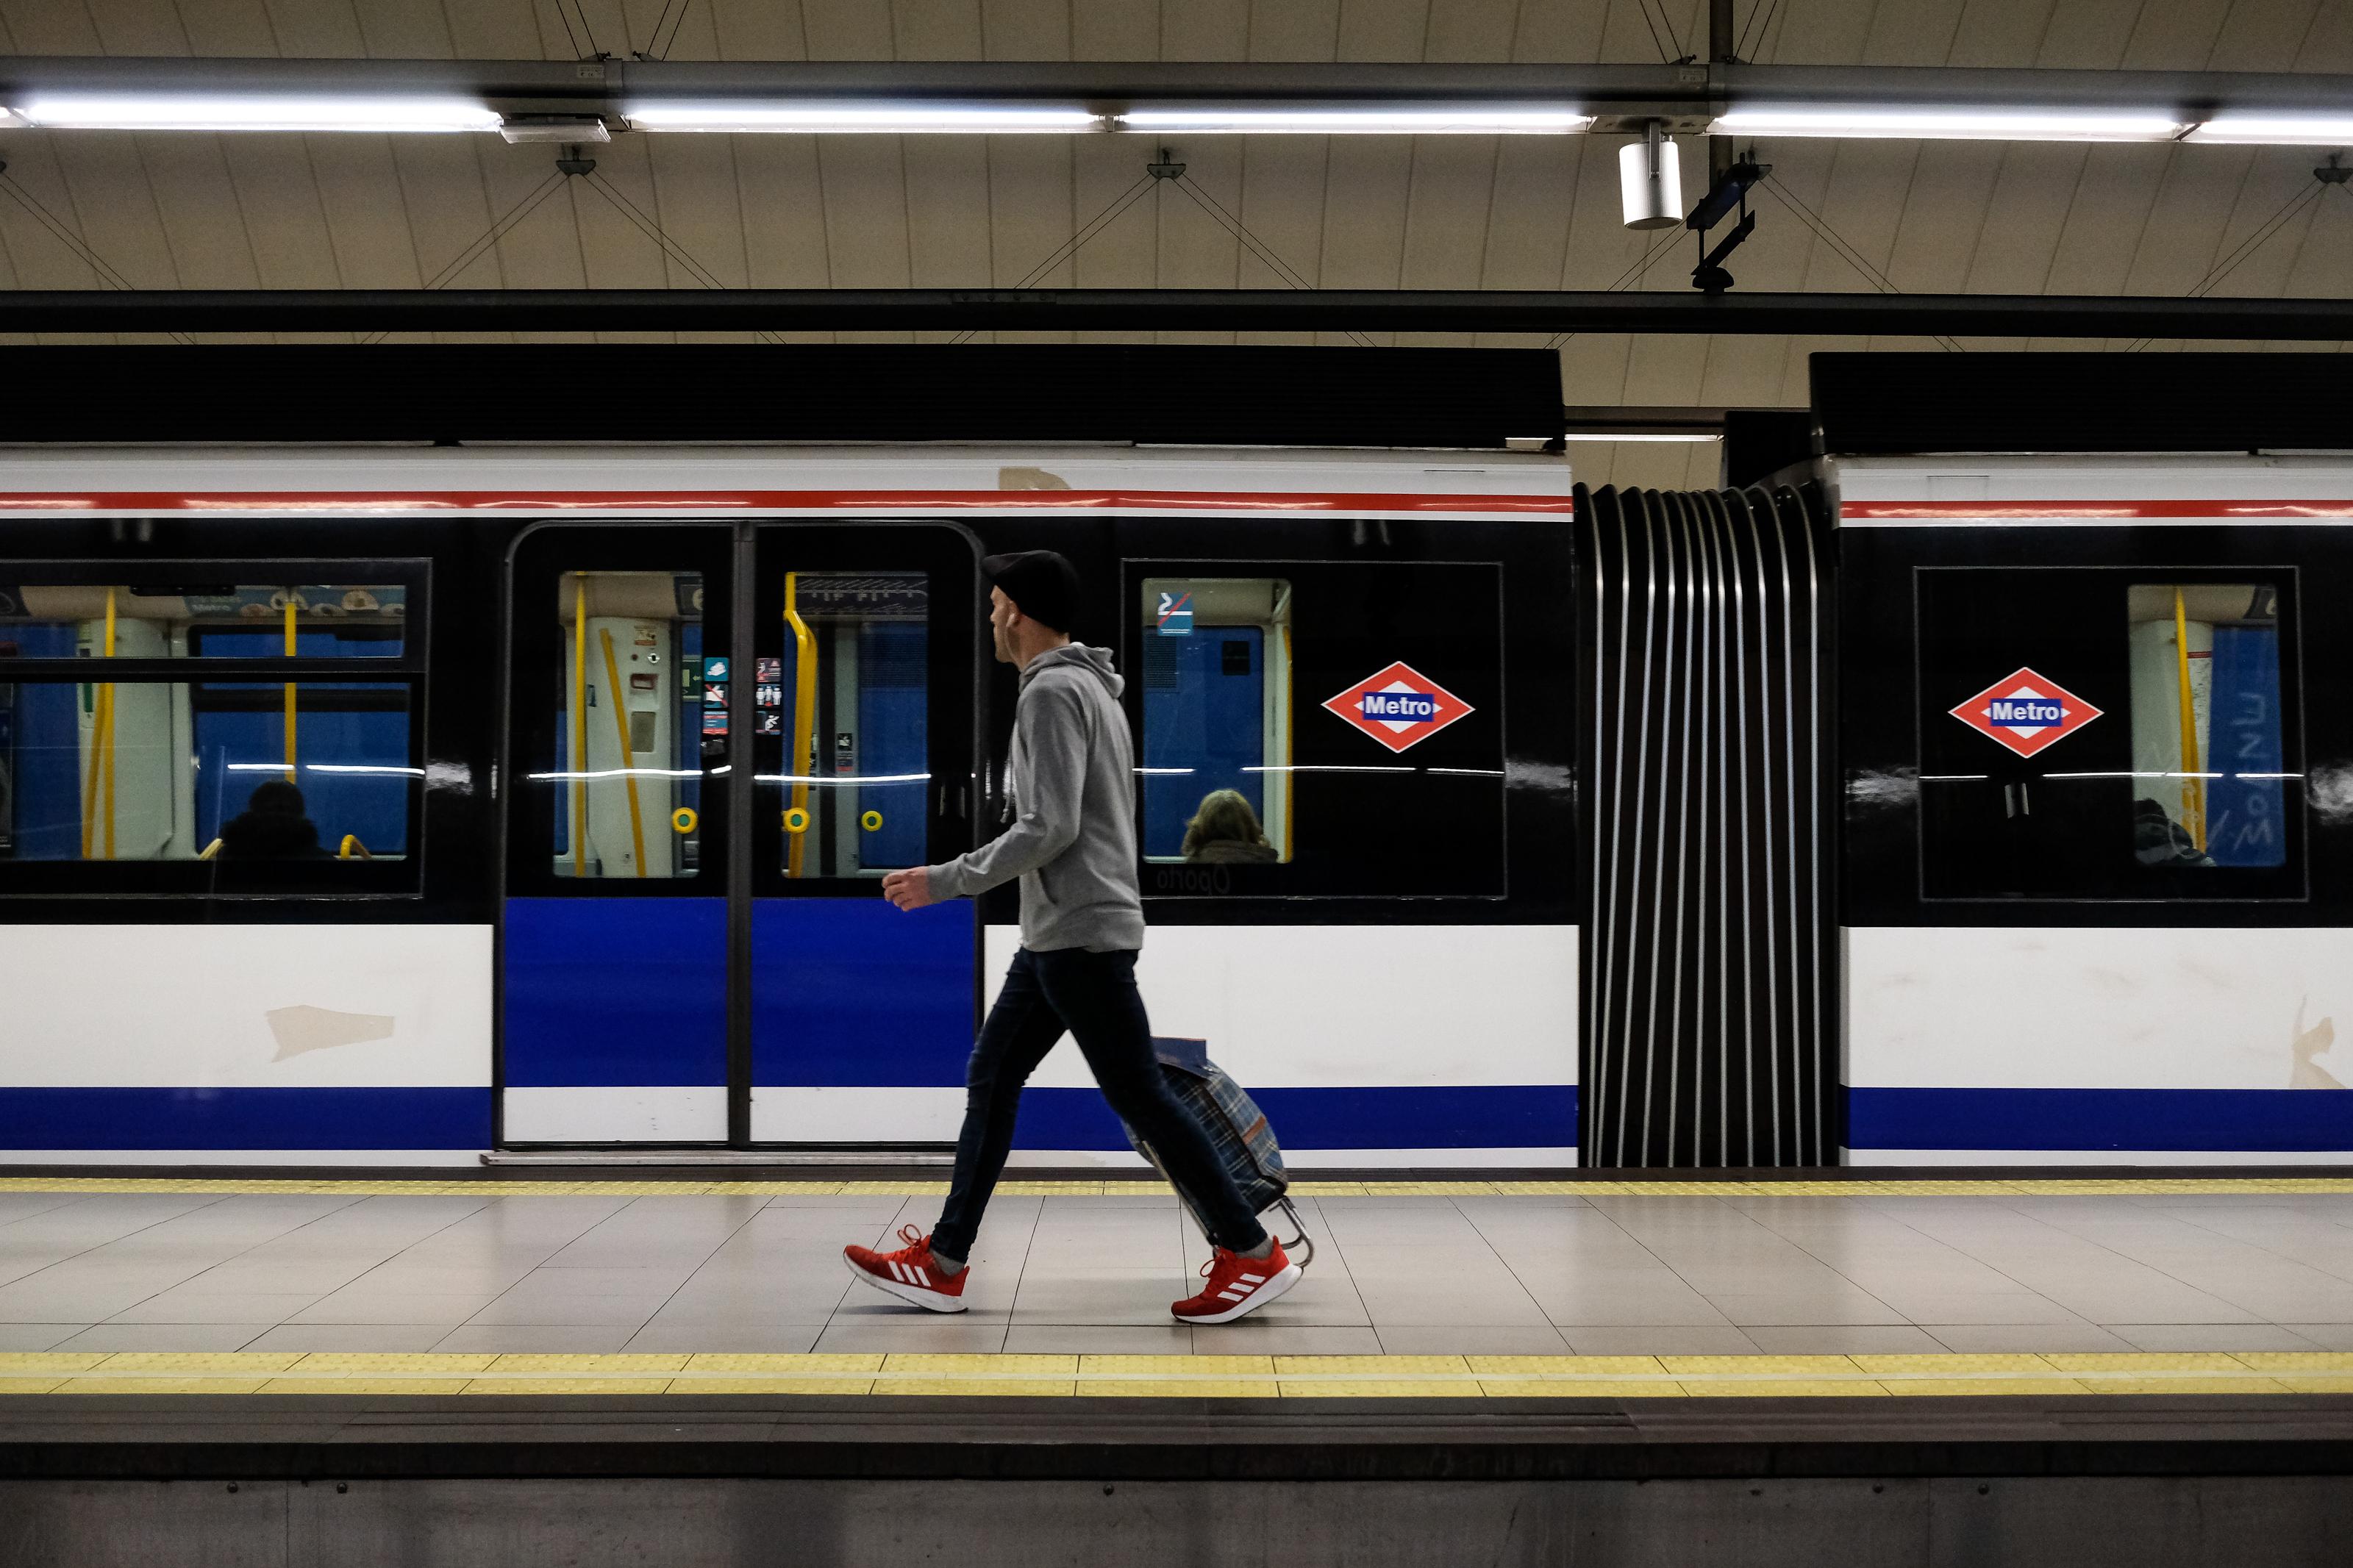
(12, 121)
(2277, 130)
(1463, 120)
(1642, 436)
(121, 111)
(913, 119)
(1950, 124)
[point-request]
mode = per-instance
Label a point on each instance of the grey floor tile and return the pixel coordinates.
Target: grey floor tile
(936, 1335)
(738, 1338)
(1850, 1339)
(1398, 1339)
(1254, 1335)
(508, 1340)
(1057, 1339)
(2022, 1339)
(2210, 1337)
(1662, 1341)
(36, 1336)
(388, 1339)
(573, 1312)
(1979, 1306)
(2327, 1336)
(1808, 1308)
(165, 1337)
(179, 1306)
(354, 1305)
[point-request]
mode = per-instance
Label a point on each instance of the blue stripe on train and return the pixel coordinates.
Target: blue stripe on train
(1429, 1116)
(245, 1118)
(2213, 1120)
(854, 992)
(604, 991)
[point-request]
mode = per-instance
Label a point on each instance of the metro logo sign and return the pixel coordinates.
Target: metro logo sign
(2026, 712)
(1400, 707)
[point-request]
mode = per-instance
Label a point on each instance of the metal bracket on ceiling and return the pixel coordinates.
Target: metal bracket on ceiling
(1166, 168)
(572, 161)
(2333, 173)
(1730, 190)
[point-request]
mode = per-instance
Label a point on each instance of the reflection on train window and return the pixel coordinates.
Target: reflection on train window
(848, 699)
(640, 699)
(233, 771)
(2206, 742)
(1217, 780)
(220, 620)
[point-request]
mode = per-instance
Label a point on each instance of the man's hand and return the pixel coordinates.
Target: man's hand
(909, 889)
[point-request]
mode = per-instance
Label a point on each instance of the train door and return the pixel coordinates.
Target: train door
(721, 737)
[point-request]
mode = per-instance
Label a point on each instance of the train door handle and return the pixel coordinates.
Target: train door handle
(2014, 801)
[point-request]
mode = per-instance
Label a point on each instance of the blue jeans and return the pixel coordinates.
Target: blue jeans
(1094, 996)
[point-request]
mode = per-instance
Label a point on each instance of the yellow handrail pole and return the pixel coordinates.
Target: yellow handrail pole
(580, 724)
(628, 763)
(99, 692)
(289, 687)
(798, 765)
(2193, 789)
(351, 842)
(105, 729)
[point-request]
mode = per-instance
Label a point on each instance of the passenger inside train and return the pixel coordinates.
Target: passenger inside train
(274, 825)
(1224, 831)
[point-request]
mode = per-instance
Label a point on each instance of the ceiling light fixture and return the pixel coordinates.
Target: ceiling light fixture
(1639, 436)
(1375, 119)
(561, 129)
(2276, 131)
(1650, 181)
(907, 118)
(117, 111)
(1949, 124)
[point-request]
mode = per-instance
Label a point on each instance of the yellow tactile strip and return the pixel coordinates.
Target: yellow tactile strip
(2165, 1186)
(1180, 1376)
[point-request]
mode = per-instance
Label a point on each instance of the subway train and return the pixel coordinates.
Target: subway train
(490, 769)
(406, 760)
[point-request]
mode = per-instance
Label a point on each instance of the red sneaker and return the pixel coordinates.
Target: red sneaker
(1237, 1285)
(910, 1273)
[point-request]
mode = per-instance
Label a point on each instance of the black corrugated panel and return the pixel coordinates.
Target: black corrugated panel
(1207, 395)
(2186, 402)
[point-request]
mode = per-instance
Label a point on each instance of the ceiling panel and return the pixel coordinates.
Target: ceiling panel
(1369, 212)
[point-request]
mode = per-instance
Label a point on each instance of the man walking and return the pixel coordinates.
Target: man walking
(1073, 845)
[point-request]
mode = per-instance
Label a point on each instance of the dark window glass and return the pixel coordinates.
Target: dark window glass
(2107, 734)
(1319, 728)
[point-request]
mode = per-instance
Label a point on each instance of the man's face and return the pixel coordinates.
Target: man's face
(1001, 615)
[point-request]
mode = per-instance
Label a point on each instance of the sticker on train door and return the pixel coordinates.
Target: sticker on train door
(2026, 712)
(1400, 707)
(1175, 615)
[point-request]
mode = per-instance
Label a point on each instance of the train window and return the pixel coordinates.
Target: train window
(2207, 769)
(2104, 734)
(228, 771)
(225, 620)
(640, 698)
(1318, 729)
(1216, 784)
(226, 732)
(850, 698)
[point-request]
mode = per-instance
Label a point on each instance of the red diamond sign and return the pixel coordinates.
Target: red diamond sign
(1400, 707)
(2026, 712)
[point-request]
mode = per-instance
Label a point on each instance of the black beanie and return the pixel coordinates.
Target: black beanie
(1040, 582)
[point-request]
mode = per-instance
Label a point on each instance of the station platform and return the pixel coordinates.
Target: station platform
(683, 1366)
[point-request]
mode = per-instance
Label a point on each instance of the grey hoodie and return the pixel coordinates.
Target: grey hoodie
(1073, 784)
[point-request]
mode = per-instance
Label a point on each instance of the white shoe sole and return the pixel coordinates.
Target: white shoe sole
(915, 1295)
(1254, 1300)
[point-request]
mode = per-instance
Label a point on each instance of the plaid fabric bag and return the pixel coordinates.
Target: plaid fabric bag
(1237, 1130)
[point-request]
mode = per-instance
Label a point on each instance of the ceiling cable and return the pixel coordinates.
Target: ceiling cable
(1079, 237)
(673, 16)
(1636, 271)
(1846, 252)
(484, 242)
(646, 224)
(2245, 250)
(65, 234)
(1216, 213)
